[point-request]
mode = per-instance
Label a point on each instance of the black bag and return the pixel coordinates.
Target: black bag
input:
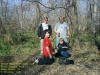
(64, 60)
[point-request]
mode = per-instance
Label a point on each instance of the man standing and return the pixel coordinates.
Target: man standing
(44, 26)
(62, 30)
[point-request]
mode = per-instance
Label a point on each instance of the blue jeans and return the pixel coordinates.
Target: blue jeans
(57, 40)
(65, 54)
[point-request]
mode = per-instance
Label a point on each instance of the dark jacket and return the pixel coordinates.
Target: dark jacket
(41, 32)
(62, 47)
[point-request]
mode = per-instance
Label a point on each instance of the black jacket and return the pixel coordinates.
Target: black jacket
(41, 32)
(62, 47)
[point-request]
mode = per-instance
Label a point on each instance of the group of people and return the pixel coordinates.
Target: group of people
(62, 32)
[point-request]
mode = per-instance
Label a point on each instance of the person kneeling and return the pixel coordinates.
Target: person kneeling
(47, 51)
(62, 53)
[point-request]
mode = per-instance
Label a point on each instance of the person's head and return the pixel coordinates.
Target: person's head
(61, 40)
(47, 34)
(45, 19)
(61, 19)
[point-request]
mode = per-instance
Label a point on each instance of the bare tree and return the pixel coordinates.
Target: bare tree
(28, 14)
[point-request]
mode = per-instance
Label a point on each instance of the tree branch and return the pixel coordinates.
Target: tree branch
(52, 8)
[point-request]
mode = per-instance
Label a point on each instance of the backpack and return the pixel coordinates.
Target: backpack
(64, 60)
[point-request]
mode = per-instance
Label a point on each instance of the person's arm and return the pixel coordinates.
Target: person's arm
(55, 30)
(50, 30)
(47, 48)
(56, 49)
(65, 46)
(39, 32)
(68, 31)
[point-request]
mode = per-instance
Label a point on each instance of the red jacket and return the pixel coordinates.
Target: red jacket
(47, 43)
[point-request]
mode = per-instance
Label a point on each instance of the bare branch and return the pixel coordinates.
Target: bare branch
(52, 8)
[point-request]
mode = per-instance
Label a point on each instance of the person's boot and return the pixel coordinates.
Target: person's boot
(68, 61)
(71, 62)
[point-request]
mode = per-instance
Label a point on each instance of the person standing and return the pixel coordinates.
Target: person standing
(61, 30)
(44, 26)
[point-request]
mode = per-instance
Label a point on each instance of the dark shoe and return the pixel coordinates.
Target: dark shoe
(68, 61)
(71, 62)
(62, 60)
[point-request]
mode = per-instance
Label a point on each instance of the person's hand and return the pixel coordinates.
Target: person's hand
(56, 51)
(50, 57)
(57, 33)
(67, 36)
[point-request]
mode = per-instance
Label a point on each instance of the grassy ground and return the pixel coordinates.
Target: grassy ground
(19, 48)
(24, 46)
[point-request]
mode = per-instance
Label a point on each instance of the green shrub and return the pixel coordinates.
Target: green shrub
(87, 38)
(5, 48)
(71, 41)
(22, 37)
(25, 40)
(82, 39)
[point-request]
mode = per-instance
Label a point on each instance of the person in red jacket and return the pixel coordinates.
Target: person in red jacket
(47, 46)
(47, 51)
